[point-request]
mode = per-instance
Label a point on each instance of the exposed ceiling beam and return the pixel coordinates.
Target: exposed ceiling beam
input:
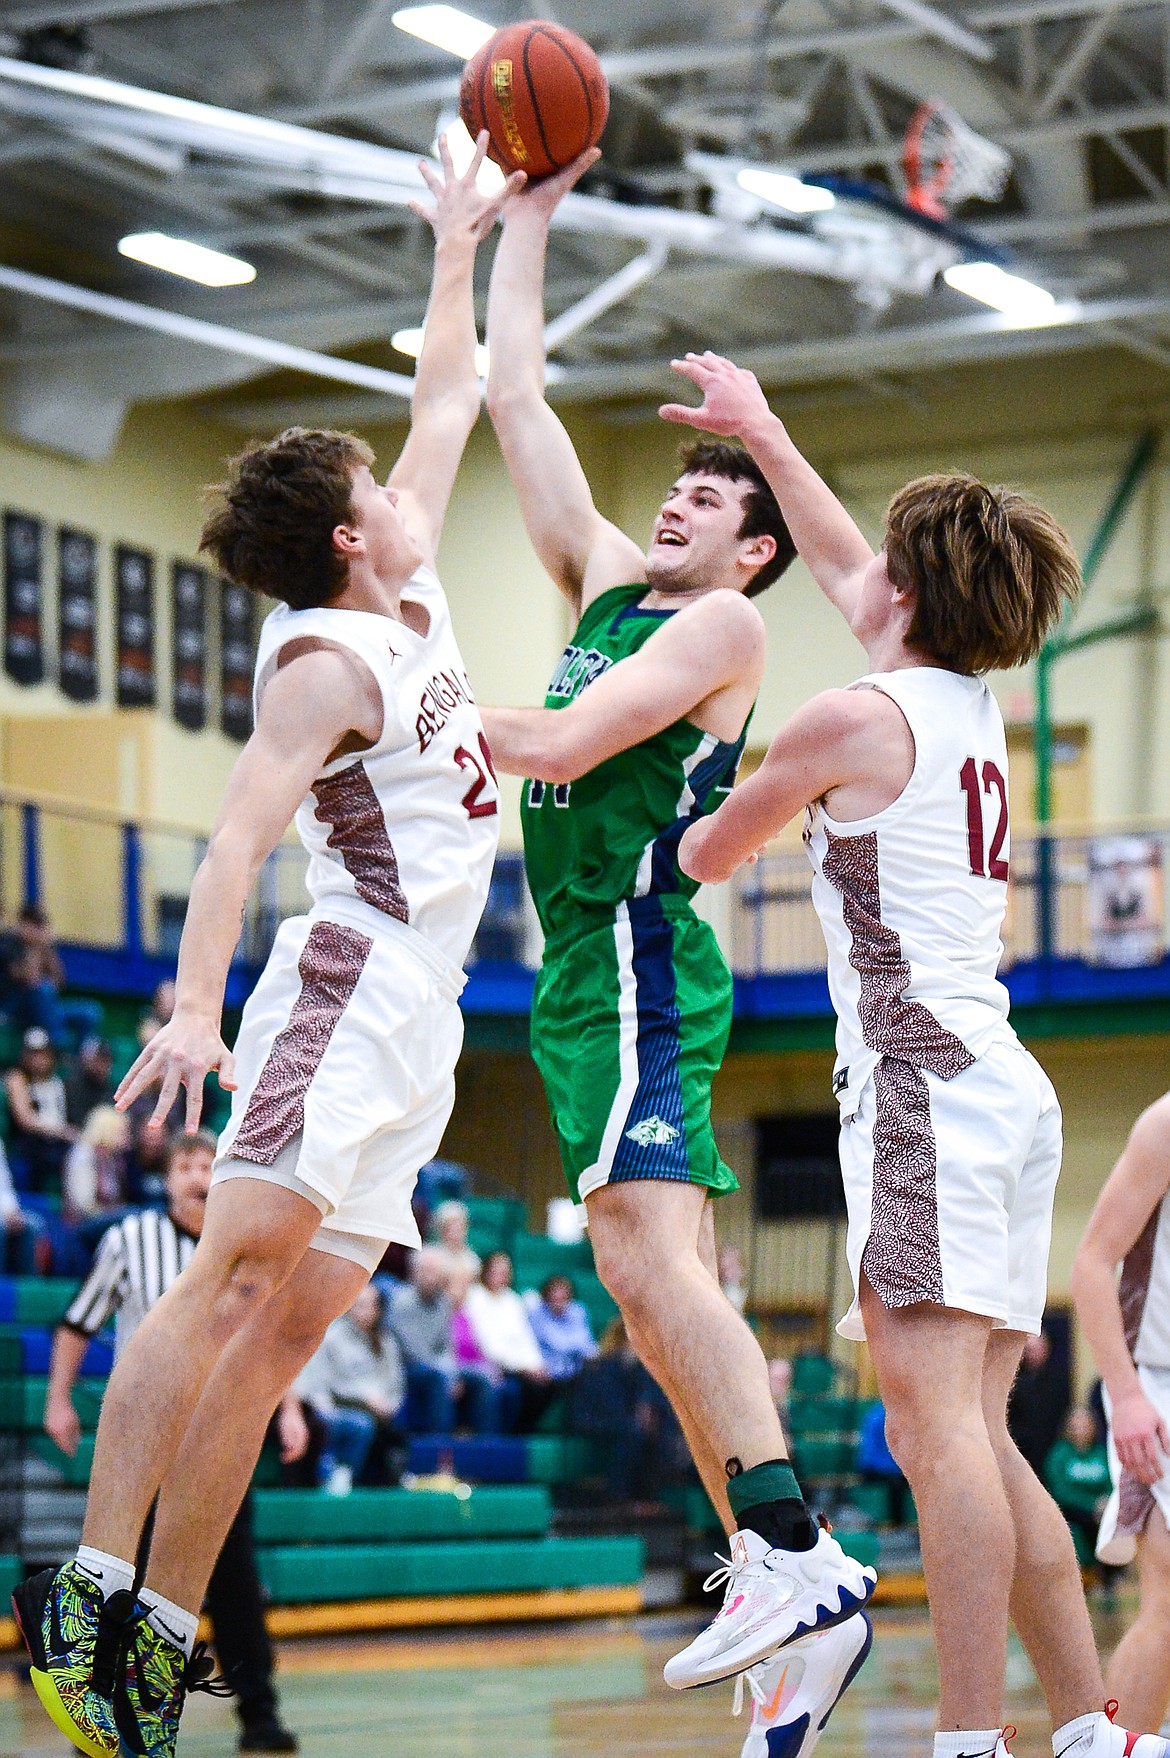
(69, 12)
(1075, 63)
(1124, 216)
(945, 30)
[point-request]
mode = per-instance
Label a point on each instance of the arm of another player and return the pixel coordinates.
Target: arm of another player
(445, 405)
(305, 712)
(583, 553)
(1132, 1192)
(714, 645)
(835, 739)
(733, 405)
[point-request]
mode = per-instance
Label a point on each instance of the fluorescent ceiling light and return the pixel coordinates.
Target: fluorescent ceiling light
(784, 191)
(461, 147)
(410, 342)
(446, 27)
(1022, 301)
(178, 256)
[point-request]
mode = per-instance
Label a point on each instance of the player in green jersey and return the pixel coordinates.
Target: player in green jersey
(641, 733)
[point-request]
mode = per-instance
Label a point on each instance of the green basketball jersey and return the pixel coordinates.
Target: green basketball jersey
(613, 834)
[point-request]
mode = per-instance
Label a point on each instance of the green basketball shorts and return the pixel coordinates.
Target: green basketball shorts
(629, 1024)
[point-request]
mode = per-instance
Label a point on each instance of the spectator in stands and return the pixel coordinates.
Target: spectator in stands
(876, 1464)
(148, 1148)
(356, 1383)
(95, 1184)
(616, 1403)
(499, 1323)
(158, 1014)
(37, 977)
(488, 1405)
(732, 1275)
(1077, 1472)
(1039, 1402)
(139, 1259)
(90, 1082)
(23, 1243)
(419, 1314)
(561, 1327)
(41, 1134)
(451, 1223)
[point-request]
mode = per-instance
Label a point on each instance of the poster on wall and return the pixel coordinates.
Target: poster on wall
(237, 651)
(24, 647)
(1127, 908)
(189, 644)
(134, 598)
(77, 563)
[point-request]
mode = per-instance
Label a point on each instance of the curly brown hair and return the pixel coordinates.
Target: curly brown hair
(761, 510)
(990, 570)
(270, 524)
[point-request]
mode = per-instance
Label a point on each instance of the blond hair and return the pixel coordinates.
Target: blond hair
(990, 570)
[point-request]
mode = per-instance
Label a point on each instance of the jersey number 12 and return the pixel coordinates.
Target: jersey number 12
(993, 866)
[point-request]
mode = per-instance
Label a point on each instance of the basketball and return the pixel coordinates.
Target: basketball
(540, 93)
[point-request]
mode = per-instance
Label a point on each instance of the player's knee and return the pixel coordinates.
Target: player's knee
(248, 1281)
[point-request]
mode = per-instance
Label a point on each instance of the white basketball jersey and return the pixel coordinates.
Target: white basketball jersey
(410, 826)
(911, 900)
(1144, 1292)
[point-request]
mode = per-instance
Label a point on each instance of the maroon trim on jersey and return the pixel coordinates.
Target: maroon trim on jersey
(1134, 1287)
(1135, 1504)
(348, 802)
(902, 1258)
(330, 964)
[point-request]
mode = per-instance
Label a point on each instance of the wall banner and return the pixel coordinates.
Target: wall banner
(134, 599)
(237, 655)
(24, 647)
(189, 644)
(77, 566)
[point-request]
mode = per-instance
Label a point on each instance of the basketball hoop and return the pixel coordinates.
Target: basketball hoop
(946, 162)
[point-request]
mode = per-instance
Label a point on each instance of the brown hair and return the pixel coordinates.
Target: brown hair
(270, 525)
(990, 570)
(187, 1140)
(761, 510)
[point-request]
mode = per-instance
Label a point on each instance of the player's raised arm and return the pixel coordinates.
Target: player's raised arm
(305, 712)
(707, 658)
(446, 398)
(583, 553)
(827, 539)
(1131, 1194)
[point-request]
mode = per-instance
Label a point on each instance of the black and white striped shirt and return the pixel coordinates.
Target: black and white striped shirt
(136, 1263)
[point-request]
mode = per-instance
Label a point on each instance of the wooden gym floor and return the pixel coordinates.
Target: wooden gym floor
(584, 1691)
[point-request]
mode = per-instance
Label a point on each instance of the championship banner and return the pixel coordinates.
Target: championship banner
(237, 656)
(24, 647)
(189, 644)
(134, 599)
(77, 564)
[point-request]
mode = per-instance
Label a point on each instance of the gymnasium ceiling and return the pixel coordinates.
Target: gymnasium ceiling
(1078, 91)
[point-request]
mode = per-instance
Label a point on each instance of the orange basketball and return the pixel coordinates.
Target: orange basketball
(539, 91)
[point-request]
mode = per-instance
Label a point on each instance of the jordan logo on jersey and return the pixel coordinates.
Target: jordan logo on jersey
(652, 1132)
(576, 670)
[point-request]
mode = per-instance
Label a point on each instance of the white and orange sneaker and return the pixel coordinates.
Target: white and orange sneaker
(1097, 1736)
(772, 1598)
(794, 1693)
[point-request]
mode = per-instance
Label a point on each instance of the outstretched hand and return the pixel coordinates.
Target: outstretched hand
(543, 196)
(180, 1056)
(732, 399)
(460, 206)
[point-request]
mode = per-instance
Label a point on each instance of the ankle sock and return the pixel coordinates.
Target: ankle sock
(170, 1621)
(1076, 1733)
(767, 1500)
(968, 1743)
(111, 1573)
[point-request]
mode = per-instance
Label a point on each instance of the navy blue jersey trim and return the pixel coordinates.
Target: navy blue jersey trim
(659, 1092)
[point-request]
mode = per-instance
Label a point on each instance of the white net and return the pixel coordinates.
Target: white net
(946, 162)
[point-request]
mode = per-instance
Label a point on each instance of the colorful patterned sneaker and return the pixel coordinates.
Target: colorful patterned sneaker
(150, 1696)
(794, 1693)
(76, 1642)
(772, 1598)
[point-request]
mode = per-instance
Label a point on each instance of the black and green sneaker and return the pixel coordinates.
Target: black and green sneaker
(77, 1643)
(149, 1696)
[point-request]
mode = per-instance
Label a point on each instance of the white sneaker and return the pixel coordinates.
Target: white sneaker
(794, 1693)
(1108, 1741)
(773, 1597)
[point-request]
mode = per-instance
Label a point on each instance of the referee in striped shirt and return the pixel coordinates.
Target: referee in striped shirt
(138, 1259)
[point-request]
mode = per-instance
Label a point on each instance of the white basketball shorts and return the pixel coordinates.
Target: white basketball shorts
(1132, 1501)
(345, 1061)
(950, 1185)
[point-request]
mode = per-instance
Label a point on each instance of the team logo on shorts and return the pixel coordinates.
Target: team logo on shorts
(652, 1132)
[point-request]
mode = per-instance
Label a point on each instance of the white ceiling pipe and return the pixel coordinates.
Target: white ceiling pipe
(207, 335)
(601, 299)
(945, 30)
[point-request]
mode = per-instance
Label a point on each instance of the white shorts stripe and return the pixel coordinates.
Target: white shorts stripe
(596, 1175)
